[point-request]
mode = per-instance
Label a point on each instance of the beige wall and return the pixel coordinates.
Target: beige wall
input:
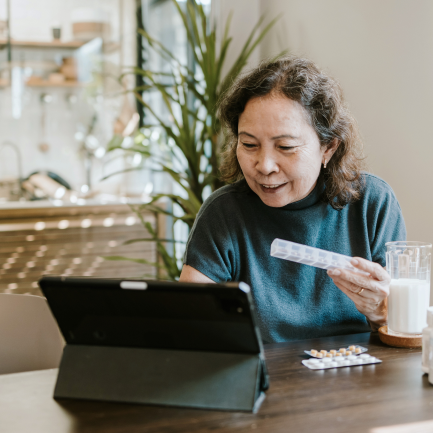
(246, 13)
(382, 54)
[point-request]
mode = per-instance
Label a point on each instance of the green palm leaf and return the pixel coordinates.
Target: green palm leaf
(192, 161)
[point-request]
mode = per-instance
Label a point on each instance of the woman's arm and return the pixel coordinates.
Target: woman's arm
(191, 275)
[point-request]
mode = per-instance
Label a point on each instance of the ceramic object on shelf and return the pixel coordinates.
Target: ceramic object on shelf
(56, 77)
(69, 68)
(86, 31)
(412, 342)
(57, 33)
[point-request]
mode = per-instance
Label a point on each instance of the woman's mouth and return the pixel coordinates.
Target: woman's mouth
(271, 188)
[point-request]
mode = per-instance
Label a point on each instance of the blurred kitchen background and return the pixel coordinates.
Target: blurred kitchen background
(61, 102)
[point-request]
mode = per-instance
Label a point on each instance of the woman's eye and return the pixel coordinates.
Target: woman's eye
(249, 145)
(287, 147)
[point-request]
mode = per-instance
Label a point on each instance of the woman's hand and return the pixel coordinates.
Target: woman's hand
(369, 293)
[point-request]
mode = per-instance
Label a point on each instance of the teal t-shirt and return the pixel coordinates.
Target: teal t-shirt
(231, 241)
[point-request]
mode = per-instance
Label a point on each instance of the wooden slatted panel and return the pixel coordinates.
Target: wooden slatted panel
(71, 243)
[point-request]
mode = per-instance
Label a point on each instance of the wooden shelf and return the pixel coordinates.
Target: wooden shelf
(43, 44)
(109, 47)
(5, 83)
(51, 84)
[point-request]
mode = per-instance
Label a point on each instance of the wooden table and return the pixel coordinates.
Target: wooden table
(348, 400)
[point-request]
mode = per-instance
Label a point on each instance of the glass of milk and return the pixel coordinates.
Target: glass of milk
(408, 264)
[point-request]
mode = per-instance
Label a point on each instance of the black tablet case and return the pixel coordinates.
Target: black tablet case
(209, 364)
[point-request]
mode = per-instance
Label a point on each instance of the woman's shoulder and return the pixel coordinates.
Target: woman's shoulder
(377, 191)
(225, 197)
(375, 185)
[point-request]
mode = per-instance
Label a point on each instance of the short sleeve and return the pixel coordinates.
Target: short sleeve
(209, 248)
(387, 222)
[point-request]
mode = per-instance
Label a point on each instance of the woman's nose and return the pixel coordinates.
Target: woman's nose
(266, 163)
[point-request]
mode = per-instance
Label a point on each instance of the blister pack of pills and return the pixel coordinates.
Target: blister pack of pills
(316, 257)
(351, 350)
(348, 361)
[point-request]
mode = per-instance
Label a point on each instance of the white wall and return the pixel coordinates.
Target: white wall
(246, 13)
(32, 20)
(381, 52)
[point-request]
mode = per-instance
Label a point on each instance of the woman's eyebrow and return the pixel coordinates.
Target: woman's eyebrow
(284, 136)
(246, 133)
(273, 138)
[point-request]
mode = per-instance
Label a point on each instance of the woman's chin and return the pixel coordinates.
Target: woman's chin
(274, 200)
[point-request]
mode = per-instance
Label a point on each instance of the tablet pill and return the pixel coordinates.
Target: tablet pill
(319, 365)
(351, 357)
(329, 355)
(333, 352)
(358, 350)
(319, 355)
(352, 348)
(348, 353)
(346, 362)
(358, 361)
(327, 360)
(333, 364)
(323, 352)
(342, 351)
(313, 361)
(313, 352)
(339, 354)
(364, 356)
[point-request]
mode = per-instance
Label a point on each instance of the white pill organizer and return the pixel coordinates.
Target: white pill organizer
(316, 257)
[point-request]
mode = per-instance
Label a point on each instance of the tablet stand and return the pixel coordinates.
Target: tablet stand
(207, 380)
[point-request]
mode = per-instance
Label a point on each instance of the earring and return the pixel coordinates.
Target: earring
(324, 164)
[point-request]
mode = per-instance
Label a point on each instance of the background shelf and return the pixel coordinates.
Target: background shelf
(41, 44)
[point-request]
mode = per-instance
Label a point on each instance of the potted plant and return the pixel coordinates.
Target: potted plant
(189, 148)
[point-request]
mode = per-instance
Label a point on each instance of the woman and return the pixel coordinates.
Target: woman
(293, 153)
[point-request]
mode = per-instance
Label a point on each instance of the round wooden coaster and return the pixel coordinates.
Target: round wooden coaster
(397, 341)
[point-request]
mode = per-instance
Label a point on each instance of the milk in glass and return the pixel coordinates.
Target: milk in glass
(407, 305)
(409, 265)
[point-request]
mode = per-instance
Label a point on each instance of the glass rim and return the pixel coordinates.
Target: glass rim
(409, 244)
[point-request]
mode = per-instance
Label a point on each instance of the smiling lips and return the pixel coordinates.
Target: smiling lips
(271, 188)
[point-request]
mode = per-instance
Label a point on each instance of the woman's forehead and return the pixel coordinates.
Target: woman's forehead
(276, 114)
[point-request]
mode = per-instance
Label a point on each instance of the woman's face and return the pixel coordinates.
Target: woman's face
(279, 152)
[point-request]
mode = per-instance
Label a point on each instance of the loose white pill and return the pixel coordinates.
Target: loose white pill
(333, 364)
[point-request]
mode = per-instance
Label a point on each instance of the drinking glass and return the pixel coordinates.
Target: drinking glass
(408, 263)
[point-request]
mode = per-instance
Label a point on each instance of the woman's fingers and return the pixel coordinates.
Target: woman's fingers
(358, 280)
(374, 269)
(364, 305)
(356, 289)
(367, 306)
(370, 283)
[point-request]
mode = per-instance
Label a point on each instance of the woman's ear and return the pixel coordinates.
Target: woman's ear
(331, 148)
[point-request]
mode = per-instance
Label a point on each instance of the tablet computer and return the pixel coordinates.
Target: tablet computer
(154, 314)
(181, 344)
